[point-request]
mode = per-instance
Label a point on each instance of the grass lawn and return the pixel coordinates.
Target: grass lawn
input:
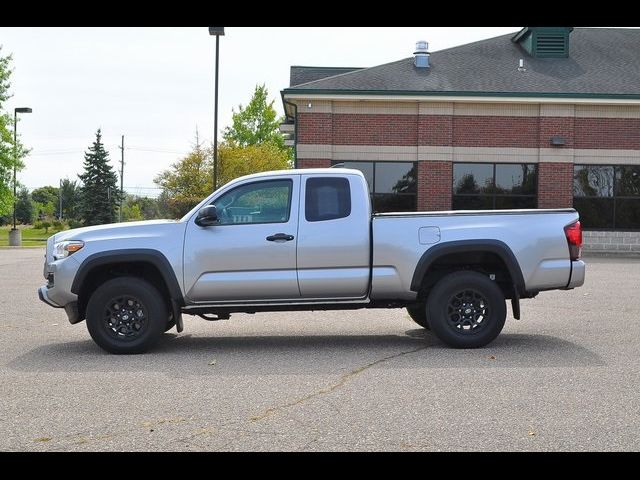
(31, 237)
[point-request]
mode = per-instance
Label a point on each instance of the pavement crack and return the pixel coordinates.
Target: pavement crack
(331, 388)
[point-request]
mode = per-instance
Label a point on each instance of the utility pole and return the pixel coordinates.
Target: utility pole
(215, 122)
(60, 197)
(121, 179)
(217, 31)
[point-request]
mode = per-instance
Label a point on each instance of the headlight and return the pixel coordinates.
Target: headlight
(64, 249)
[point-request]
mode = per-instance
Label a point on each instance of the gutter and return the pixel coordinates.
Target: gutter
(407, 95)
(294, 119)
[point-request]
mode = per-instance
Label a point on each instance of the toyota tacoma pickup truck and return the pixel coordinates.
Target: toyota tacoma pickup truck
(307, 240)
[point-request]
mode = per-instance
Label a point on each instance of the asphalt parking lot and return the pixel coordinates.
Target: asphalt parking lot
(566, 377)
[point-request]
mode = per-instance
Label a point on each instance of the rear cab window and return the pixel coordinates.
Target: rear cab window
(327, 198)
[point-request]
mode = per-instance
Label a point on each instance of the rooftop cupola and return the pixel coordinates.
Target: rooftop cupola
(421, 55)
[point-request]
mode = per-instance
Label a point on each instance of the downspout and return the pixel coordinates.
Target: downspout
(295, 126)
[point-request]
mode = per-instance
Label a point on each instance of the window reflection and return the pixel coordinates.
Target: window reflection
(593, 181)
(395, 178)
(607, 196)
(470, 178)
(486, 186)
(516, 179)
(628, 181)
(393, 185)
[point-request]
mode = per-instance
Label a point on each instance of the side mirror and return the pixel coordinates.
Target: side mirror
(207, 216)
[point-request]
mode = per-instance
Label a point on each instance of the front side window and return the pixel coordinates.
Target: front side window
(607, 196)
(488, 186)
(259, 202)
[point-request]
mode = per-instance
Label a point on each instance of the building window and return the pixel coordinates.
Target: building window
(392, 184)
(488, 186)
(607, 196)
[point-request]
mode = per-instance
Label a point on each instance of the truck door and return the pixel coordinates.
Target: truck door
(251, 253)
(333, 237)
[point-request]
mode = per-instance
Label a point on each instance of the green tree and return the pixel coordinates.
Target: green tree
(257, 123)
(235, 161)
(99, 195)
(25, 209)
(187, 182)
(131, 212)
(70, 197)
(46, 201)
(7, 152)
(139, 208)
(148, 207)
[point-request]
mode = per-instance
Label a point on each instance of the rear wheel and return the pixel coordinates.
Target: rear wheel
(126, 315)
(466, 310)
(418, 314)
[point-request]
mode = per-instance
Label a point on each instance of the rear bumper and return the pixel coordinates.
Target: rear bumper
(577, 274)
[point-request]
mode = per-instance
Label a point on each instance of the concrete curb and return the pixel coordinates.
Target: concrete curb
(605, 254)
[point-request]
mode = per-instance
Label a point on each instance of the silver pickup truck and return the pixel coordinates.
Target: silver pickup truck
(307, 240)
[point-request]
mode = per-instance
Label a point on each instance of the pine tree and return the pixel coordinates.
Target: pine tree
(99, 195)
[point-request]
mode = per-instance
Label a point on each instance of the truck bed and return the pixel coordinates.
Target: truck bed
(535, 237)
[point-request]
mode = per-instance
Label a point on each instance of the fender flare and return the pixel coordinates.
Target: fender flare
(147, 255)
(464, 246)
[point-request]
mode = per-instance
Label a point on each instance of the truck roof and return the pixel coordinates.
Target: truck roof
(305, 171)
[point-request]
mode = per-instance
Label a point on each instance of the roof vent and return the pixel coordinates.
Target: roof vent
(521, 66)
(421, 59)
(544, 42)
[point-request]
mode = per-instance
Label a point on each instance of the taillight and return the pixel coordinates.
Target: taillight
(573, 233)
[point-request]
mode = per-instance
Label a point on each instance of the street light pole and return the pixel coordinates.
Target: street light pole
(217, 31)
(15, 239)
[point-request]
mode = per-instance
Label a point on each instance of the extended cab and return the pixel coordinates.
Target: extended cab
(307, 240)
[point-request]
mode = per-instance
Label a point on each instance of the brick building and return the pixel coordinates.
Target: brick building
(546, 117)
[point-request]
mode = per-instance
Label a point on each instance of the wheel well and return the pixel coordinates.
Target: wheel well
(484, 262)
(102, 273)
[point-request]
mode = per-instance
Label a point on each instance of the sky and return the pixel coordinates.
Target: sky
(155, 86)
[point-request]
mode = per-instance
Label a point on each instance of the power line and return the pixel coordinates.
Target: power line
(46, 154)
(62, 151)
(156, 150)
(151, 192)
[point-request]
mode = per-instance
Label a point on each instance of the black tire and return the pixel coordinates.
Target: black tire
(418, 314)
(126, 315)
(466, 310)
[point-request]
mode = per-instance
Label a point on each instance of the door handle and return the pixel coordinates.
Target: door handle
(280, 237)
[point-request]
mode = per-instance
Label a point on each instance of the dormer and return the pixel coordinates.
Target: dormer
(544, 42)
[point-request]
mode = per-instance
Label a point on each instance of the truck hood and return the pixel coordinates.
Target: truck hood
(117, 230)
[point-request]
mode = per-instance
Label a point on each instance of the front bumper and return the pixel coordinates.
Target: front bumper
(42, 294)
(71, 308)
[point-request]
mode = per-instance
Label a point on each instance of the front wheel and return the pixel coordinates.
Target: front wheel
(126, 315)
(466, 310)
